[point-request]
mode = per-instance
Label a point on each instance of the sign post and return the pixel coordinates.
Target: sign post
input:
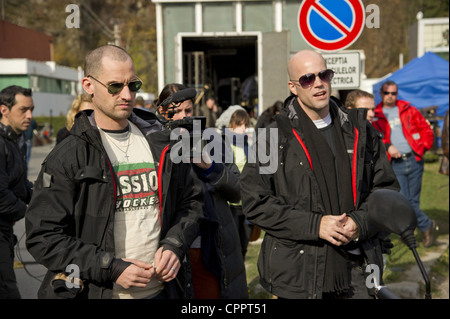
(331, 25)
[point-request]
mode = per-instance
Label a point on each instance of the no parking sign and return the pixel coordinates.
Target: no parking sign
(331, 25)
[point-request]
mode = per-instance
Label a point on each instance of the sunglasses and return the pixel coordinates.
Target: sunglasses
(117, 87)
(307, 80)
(391, 93)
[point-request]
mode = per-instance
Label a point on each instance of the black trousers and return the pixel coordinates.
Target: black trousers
(8, 284)
(357, 279)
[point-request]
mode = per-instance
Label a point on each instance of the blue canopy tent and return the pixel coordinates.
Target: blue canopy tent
(423, 82)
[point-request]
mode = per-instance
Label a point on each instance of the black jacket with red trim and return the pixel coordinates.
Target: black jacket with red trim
(71, 215)
(288, 206)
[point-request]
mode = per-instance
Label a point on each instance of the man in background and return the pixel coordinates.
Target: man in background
(361, 99)
(110, 201)
(407, 136)
(16, 107)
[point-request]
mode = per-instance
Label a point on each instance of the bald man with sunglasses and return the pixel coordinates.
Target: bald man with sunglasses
(313, 208)
(112, 216)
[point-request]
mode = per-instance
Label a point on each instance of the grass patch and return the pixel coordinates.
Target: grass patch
(255, 290)
(441, 267)
(439, 274)
(434, 201)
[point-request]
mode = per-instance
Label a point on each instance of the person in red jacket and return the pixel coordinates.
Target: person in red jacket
(407, 136)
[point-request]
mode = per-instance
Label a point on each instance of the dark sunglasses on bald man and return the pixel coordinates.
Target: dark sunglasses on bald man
(391, 93)
(116, 87)
(307, 80)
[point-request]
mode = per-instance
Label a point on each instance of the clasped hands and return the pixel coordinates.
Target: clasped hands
(139, 273)
(339, 230)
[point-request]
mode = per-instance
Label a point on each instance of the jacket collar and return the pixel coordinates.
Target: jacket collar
(401, 104)
(146, 121)
(290, 112)
(9, 133)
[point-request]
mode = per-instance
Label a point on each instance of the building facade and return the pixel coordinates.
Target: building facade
(224, 44)
(20, 42)
(54, 87)
(430, 34)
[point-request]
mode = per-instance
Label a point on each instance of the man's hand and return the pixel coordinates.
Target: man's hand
(351, 229)
(394, 152)
(203, 161)
(211, 104)
(138, 274)
(338, 230)
(166, 265)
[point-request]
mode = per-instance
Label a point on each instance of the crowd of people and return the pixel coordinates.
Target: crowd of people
(111, 200)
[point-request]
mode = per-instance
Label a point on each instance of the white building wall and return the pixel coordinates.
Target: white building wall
(46, 103)
(48, 69)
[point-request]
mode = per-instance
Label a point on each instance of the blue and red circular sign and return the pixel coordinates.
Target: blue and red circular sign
(331, 25)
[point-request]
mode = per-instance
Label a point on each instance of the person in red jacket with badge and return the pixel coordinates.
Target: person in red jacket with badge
(407, 136)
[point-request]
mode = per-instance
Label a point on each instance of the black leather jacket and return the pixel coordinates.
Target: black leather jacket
(71, 214)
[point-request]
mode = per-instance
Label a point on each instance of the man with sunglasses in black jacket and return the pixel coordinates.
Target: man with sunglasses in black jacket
(16, 107)
(112, 216)
(313, 206)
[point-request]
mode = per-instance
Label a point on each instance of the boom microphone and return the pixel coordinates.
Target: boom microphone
(183, 95)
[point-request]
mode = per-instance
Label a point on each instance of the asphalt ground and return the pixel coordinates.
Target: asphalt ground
(29, 274)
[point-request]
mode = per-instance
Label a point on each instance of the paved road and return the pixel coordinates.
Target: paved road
(30, 276)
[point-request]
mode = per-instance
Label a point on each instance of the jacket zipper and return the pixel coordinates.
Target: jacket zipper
(314, 293)
(355, 158)
(160, 170)
(273, 248)
(113, 180)
(111, 170)
(304, 147)
(224, 269)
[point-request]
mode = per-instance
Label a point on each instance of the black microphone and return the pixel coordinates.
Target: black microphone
(183, 95)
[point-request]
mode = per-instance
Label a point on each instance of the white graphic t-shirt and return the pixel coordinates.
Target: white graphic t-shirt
(398, 138)
(136, 220)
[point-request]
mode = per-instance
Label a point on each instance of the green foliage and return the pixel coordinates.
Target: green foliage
(137, 23)
(135, 20)
(430, 157)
